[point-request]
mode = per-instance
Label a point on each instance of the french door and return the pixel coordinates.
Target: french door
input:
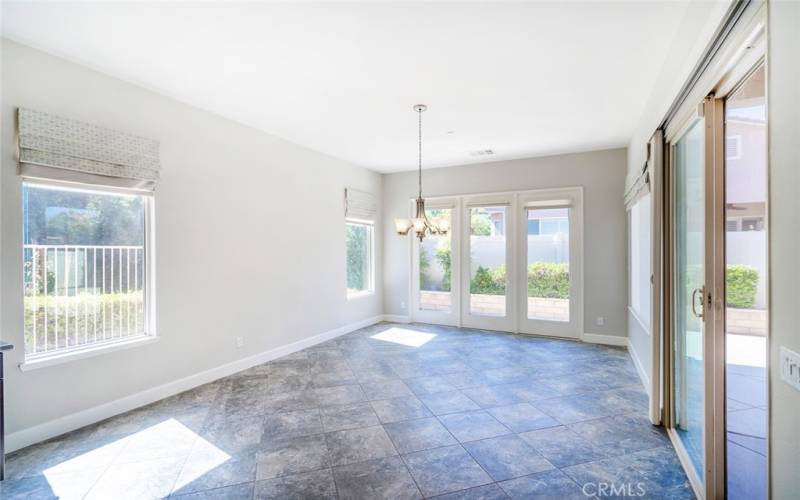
(488, 284)
(550, 257)
(435, 277)
(512, 262)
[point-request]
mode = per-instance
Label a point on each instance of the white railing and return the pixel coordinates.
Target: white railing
(79, 295)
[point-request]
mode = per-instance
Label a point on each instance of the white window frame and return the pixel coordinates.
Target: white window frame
(370, 225)
(149, 334)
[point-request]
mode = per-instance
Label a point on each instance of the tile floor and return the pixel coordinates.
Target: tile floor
(389, 411)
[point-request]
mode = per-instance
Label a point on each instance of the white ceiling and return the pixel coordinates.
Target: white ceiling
(521, 79)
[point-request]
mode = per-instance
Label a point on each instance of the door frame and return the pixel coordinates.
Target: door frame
(506, 323)
(571, 198)
(741, 64)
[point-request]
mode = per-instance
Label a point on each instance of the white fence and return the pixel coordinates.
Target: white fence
(80, 295)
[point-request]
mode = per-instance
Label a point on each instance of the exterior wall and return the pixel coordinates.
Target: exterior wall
(230, 258)
(601, 173)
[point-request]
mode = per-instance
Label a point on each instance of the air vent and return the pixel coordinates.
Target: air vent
(481, 152)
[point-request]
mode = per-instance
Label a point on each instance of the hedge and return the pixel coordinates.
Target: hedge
(545, 280)
(741, 283)
(548, 280)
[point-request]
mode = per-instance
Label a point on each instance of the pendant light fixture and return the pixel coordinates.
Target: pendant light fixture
(420, 223)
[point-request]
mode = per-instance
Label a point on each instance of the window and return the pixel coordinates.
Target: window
(359, 258)
(85, 268)
(640, 260)
(752, 224)
(733, 147)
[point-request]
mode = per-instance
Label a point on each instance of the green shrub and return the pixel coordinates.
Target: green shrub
(548, 280)
(489, 281)
(741, 283)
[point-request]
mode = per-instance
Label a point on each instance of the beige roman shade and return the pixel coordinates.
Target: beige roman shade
(638, 185)
(359, 205)
(56, 148)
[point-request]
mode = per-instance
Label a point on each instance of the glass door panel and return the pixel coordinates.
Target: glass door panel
(435, 278)
(487, 261)
(746, 289)
(548, 255)
(689, 277)
(435, 266)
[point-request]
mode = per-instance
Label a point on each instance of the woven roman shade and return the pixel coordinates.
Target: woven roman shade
(359, 205)
(56, 148)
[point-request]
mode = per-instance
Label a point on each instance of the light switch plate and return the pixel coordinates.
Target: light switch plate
(790, 367)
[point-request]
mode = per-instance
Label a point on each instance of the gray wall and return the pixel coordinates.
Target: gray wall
(250, 239)
(601, 173)
(783, 99)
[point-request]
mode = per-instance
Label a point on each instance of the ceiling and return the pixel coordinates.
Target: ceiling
(521, 79)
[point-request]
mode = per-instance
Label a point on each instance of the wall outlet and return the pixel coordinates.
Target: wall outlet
(790, 367)
(402, 305)
(601, 321)
(239, 342)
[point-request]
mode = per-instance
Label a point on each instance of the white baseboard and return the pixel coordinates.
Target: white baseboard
(639, 368)
(47, 430)
(396, 318)
(596, 338)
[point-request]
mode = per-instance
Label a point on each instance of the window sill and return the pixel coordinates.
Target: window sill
(359, 295)
(86, 352)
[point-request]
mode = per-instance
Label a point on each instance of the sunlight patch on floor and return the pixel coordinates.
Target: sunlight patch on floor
(168, 438)
(404, 336)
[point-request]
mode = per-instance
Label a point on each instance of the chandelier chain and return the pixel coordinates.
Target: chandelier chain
(419, 114)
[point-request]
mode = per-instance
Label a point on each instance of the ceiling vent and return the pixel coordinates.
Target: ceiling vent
(481, 152)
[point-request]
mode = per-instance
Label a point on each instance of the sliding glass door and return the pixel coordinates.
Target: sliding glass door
(688, 286)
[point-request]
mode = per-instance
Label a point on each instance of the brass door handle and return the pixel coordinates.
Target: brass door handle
(702, 292)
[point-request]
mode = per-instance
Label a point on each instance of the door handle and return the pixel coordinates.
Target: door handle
(702, 292)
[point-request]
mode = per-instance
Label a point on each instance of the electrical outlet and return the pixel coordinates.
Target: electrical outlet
(790, 367)
(601, 321)
(239, 342)
(402, 305)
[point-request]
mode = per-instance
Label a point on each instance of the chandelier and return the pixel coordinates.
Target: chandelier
(420, 223)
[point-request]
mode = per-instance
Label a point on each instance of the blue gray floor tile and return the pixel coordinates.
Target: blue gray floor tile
(466, 415)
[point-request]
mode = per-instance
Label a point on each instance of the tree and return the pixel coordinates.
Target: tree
(480, 224)
(356, 253)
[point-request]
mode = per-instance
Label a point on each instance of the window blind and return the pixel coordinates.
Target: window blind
(359, 205)
(52, 147)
